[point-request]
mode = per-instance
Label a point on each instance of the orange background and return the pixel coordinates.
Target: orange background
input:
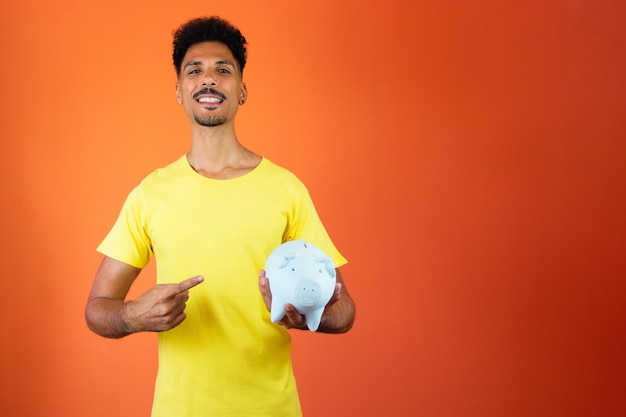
(468, 158)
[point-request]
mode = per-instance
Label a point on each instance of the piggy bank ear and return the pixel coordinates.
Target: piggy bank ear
(286, 260)
(328, 265)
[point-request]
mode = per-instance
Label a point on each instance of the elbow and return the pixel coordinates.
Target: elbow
(340, 320)
(91, 320)
(347, 327)
(96, 320)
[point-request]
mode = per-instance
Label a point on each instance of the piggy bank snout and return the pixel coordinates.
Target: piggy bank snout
(308, 293)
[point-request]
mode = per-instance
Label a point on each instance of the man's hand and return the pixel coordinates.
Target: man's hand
(292, 319)
(160, 308)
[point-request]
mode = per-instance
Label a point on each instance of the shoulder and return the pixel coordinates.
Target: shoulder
(166, 174)
(157, 183)
(279, 174)
(279, 184)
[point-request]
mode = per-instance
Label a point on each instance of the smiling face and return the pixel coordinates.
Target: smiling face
(210, 87)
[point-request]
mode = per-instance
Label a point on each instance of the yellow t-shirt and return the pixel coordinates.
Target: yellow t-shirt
(226, 358)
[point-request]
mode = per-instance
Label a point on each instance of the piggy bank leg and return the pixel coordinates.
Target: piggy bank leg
(313, 319)
(277, 311)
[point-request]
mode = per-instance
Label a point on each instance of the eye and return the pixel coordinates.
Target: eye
(223, 71)
(194, 71)
(293, 269)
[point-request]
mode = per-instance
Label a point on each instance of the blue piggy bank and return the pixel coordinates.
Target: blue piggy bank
(300, 274)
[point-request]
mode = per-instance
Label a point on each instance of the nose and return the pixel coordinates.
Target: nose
(209, 80)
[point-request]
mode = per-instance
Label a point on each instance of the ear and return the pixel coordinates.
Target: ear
(287, 260)
(328, 265)
(179, 100)
(243, 97)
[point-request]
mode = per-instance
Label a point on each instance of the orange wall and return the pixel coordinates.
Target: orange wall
(468, 157)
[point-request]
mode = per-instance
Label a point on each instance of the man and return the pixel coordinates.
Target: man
(211, 219)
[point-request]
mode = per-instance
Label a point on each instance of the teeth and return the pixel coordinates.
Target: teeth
(209, 100)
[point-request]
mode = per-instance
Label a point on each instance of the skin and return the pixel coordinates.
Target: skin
(210, 89)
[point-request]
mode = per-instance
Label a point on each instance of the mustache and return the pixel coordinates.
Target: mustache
(209, 91)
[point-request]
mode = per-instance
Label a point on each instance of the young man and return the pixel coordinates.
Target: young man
(211, 219)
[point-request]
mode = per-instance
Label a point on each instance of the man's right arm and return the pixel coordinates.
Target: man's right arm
(109, 315)
(105, 310)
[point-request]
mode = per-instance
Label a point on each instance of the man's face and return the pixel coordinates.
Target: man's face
(209, 86)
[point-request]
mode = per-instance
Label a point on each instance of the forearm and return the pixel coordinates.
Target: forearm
(107, 317)
(338, 317)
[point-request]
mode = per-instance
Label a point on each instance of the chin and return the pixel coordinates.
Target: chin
(210, 121)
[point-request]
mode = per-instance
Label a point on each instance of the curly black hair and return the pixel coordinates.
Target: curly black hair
(205, 29)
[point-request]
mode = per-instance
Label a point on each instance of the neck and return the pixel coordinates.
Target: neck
(216, 153)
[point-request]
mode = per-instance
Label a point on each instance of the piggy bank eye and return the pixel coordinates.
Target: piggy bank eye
(319, 270)
(293, 269)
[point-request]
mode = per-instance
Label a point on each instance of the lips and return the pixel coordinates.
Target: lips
(210, 99)
(209, 96)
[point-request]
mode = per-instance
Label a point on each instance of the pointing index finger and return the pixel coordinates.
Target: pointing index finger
(189, 283)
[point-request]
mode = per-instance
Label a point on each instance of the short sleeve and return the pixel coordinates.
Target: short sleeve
(306, 224)
(128, 241)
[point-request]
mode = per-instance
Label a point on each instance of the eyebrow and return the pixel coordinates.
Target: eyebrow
(220, 62)
(225, 62)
